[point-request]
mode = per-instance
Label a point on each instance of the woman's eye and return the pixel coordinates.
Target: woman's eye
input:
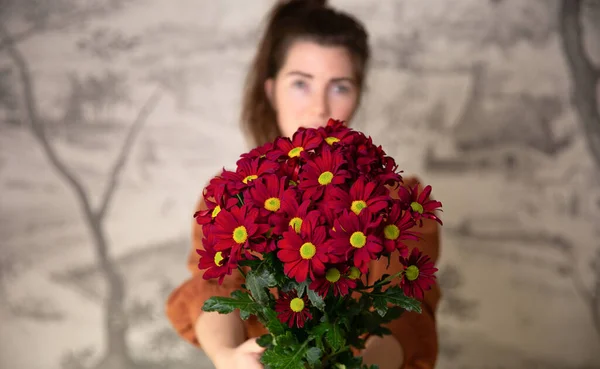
(341, 89)
(299, 84)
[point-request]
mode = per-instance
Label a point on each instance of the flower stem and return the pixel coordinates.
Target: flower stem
(383, 281)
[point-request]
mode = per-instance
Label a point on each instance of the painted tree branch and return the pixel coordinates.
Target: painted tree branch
(36, 126)
(119, 164)
(585, 74)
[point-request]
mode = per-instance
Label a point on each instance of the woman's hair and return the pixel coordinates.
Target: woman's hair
(290, 21)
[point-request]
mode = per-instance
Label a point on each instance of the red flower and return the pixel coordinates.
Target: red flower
(208, 215)
(292, 213)
(337, 279)
(396, 229)
(218, 264)
(322, 172)
(419, 204)
(247, 171)
(304, 254)
(336, 132)
(267, 194)
(354, 239)
(258, 152)
(236, 229)
(418, 274)
(361, 195)
(292, 310)
(302, 140)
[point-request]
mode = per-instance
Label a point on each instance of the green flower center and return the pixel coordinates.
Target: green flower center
(249, 178)
(240, 234)
(295, 152)
(354, 273)
(357, 206)
(325, 178)
(272, 204)
(415, 206)
(391, 232)
(308, 250)
(219, 258)
(332, 140)
(216, 211)
(333, 275)
(297, 305)
(358, 239)
(296, 224)
(412, 272)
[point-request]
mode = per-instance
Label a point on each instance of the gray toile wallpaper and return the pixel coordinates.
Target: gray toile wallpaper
(115, 113)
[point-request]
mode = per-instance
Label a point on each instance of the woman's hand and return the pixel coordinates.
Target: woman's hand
(245, 356)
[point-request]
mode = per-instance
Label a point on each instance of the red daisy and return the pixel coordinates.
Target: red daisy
(218, 264)
(354, 239)
(322, 172)
(292, 213)
(362, 195)
(304, 254)
(419, 274)
(302, 140)
(259, 152)
(247, 171)
(235, 229)
(337, 279)
(208, 215)
(419, 204)
(336, 132)
(396, 230)
(267, 195)
(292, 310)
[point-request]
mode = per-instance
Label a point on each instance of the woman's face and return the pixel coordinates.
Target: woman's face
(314, 84)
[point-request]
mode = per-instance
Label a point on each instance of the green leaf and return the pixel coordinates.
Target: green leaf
(258, 281)
(396, 296)
(281, 357)
(381, 305)
(313, 355)
(301, 288)
(272, 322)
(334, 337)
(265, 340)
(316, 300)
(225, 305)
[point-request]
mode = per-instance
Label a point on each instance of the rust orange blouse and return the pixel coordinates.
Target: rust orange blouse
(417, 333)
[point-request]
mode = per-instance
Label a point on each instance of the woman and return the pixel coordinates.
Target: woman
(310, 66)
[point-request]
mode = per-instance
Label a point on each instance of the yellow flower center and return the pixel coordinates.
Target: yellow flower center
(219, 258)
(332, 140)
(415, 206)
(297, 305)
(333, 275)
(358, 239)
(295, 152)
(296, 223)
(308, 250)
(357, 206)
(412, 273)
(249, 178)
(240, 234)
(325, 178)
(272, 204)
(354, 273)
(216, 211)
(391, 232)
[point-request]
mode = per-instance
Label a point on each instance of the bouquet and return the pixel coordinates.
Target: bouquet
(302, 219)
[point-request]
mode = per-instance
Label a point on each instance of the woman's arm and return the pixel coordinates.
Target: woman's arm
(184, 305)
(415, 334)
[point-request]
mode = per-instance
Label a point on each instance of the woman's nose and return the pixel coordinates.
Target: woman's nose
(320, 104)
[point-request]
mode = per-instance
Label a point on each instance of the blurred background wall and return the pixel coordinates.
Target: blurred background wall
(115, 113)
